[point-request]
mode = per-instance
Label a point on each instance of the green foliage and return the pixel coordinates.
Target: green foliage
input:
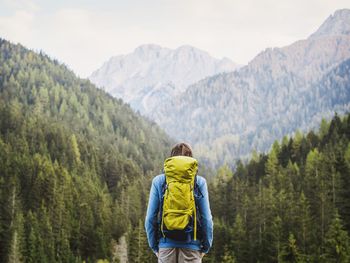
(279, 207)
(337, 242)
(290, 252)
(139, 251)
(239, 241)
(70, 157)
(228, 256)
(76, 167)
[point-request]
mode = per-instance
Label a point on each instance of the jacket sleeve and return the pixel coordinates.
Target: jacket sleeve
(206, 218)
(151, 224)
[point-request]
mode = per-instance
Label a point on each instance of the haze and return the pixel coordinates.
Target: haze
(84, 33)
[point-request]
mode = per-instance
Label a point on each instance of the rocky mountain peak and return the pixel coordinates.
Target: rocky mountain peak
(336, 24)
(152, 73)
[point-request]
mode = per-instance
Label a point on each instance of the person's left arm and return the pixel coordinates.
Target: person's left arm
(151, 224)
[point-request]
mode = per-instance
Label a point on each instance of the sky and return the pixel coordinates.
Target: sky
(83, 34)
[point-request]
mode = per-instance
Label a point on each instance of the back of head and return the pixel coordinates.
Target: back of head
(181, 149)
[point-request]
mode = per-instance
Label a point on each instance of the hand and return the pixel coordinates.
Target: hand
(156, 254)
(202, 254)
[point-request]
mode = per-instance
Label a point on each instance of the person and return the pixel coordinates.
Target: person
(169, 250)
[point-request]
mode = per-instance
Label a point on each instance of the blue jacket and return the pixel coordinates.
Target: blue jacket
(151, 222)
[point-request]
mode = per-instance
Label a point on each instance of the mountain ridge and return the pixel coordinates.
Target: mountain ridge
(335, 24)
(151, 73)
(244, 109)
(248, 109)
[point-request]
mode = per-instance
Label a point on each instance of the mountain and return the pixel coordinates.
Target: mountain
(336, 24)
(281, 90)
(75, 163)
(152, 74)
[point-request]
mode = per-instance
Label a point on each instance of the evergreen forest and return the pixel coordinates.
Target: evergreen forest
(74, 163)
(76, 166)
(290, 205)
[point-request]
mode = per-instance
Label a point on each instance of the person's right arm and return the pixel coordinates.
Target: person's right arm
(151, 224)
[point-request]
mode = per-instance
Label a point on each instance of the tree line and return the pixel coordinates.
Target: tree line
(289, 205)
(73, 163)
(76, 167)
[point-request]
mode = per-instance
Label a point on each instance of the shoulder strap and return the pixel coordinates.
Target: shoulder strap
(197, 191)
(160, 218)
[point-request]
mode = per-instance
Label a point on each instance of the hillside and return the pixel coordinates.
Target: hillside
(73, 162)
(76, 166)
(279, 91)
(289, 205)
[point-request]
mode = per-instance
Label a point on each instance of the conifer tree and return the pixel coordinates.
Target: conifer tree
(229, 256)
(290, 251)
(296, 146)
(16, 254)
(344, 191)
(75, 149)
(32, 239)
(337, 242)
(276, 235)
(305, 233)
(144, 253)
(239, 239)
(272, 163)
(323, 130)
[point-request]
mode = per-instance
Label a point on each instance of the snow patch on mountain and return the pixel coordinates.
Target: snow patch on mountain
(153, 73)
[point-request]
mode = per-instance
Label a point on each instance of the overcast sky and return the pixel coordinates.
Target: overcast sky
(85, 33)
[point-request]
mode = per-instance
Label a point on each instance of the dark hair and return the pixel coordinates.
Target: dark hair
(182, 148)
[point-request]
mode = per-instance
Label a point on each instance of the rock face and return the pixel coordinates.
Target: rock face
(152, 74)
(337, 24)
(120, 250)
(279, 91)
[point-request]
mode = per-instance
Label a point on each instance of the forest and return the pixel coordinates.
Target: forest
(290, 205)
(73, 162)
(76, 166)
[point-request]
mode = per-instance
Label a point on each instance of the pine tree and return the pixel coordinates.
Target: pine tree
(16, 254)
(290, 252)
(31, 251)
(272, 163)
(276, 229)
(324, 127)
(239, 240)
(138, 246)
(133, 252)
(46, 234)
(344, 191)
(229, 256)
(75, 149)
(223, 237)
(305, 229)
(296, 146)
(337, 242)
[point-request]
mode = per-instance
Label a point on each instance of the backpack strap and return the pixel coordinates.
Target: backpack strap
(196, 189)
(198, 195)
(164, 188)
(195, 219)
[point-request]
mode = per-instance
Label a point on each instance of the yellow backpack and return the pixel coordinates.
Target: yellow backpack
(179, 207)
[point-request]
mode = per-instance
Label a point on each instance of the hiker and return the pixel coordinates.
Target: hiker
(178, 223)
